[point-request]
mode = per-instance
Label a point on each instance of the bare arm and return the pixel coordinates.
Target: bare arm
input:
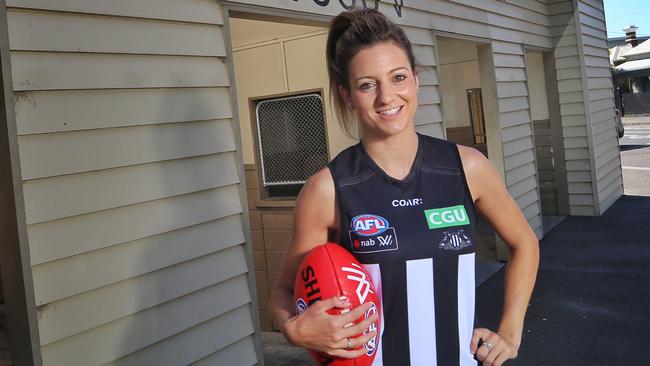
(315, 217)
(493, 201)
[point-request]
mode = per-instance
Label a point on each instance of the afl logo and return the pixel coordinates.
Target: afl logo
(369, 225)
(371, 345)
(301, 306)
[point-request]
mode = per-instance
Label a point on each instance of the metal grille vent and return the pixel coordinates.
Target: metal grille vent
(291, 133)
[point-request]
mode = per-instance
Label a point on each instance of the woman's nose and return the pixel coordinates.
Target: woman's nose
(385, 94)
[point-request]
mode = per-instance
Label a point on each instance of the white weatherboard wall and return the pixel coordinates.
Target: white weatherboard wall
(517, 130)
(132, 182)
(598, 93)
(586, 106)
(572, 109)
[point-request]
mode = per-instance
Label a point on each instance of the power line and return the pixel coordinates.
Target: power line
(626, 15)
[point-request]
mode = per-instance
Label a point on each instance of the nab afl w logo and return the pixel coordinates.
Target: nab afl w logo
(363, 288)
(455, 241)
(369, 225)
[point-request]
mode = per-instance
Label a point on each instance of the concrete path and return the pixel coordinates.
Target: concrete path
(635, 120)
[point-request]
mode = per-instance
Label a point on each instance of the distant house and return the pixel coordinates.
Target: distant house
(631, 71)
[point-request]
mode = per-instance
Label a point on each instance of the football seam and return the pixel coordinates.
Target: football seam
(335, 271)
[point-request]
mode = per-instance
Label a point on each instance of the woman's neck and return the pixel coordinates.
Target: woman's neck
(394, 155)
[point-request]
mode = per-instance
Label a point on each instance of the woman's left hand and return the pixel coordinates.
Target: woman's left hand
(494, 349)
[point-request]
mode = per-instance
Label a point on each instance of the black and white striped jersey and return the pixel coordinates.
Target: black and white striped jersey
(416, 239)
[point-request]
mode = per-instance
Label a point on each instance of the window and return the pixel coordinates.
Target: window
(291, 141)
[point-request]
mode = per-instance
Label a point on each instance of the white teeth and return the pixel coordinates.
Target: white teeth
(390, 112)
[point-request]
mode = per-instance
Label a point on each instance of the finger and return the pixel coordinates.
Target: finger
(491, 352)
(503, 357)
(333, 302)
(357, 342)
(477, 335)
(354, 314)
(360, 327)
(497, 349)
(343, 353)
(481, 353)
(354, 342)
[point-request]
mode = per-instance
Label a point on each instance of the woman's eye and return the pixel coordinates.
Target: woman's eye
(400, 77)
(366, 86)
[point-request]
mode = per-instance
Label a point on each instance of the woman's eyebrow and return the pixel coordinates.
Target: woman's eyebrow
(390, 72)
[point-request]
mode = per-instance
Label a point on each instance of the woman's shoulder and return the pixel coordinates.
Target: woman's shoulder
(480, 173)
(316, 204)
(318, 189)
(471, 157)
(321, 182)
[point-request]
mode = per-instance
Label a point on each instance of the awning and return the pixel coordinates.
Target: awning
(636, 68)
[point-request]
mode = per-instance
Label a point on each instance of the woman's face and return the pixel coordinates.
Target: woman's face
(383, 90)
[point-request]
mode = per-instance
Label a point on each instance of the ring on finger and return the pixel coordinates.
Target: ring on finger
(349, 346)
(489, 346)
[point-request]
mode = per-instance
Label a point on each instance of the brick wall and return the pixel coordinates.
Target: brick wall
(271, 222)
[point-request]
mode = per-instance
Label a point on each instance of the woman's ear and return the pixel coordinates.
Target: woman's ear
(345, 94)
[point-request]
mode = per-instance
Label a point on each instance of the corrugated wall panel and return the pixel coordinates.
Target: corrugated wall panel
(131, 181)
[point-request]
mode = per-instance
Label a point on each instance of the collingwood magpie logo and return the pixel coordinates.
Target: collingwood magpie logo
(454, 241)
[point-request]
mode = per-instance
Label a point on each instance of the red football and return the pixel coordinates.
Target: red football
(327, 271)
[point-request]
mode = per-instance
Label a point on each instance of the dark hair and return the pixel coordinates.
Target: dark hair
(349, 33)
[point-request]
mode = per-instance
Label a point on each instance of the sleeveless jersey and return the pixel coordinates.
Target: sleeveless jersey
(416, 239)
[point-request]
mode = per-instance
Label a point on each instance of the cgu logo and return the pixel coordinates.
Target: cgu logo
(368, 225)
(445, 217)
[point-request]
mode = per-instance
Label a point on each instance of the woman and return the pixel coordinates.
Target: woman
(427, 191)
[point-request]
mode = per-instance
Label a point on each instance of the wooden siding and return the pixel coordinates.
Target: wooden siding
(546, 167)
(599, 95)
(131, 182)
(572, 108)
(428, 118)
(519, 22)
(517, 130)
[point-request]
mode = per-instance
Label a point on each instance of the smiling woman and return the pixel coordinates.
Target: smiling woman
(405, 205)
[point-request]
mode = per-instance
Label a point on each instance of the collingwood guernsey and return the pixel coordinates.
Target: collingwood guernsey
(416, 239)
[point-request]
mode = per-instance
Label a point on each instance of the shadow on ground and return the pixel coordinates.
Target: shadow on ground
(632, 147)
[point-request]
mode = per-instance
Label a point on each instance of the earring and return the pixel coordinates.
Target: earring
(417, 91)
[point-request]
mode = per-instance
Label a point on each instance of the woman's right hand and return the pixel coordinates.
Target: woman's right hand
(317, 330)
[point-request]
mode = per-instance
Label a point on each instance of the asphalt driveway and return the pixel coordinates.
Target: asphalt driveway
(591, 303)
